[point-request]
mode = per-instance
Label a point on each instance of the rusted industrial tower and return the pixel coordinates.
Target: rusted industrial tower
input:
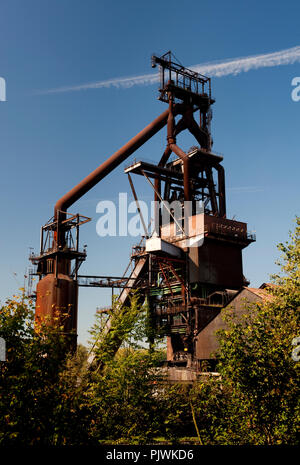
(192, 264)
(195, 257)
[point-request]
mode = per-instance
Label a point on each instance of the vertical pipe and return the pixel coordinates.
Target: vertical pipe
(221, 186)
(157, 195)
(212, 191)
(41, 240)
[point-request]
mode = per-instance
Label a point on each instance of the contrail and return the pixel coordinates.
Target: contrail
(246, 189)
(228, 67)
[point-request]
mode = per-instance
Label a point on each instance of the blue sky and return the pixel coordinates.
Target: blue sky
(50, 141)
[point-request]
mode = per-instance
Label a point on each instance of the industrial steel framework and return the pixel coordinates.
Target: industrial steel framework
(186, 270)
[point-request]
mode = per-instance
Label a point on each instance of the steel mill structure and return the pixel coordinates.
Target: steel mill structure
(190, 267)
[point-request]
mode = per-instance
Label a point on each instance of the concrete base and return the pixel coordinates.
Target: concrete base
(186, 375)
(181, 375)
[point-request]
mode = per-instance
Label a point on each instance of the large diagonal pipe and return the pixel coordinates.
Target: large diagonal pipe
(111, 163)
(57, 291)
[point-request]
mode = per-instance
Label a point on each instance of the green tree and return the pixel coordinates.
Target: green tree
(123, 393)
(37, 405)
(51, 397)
(124, 398)
(259, 377)
(115, 327)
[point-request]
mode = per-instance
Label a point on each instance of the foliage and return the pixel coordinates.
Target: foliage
(123, 387)
(125, 399)
(255, 363)
(51, 397)
(117, 326)
(35, 405)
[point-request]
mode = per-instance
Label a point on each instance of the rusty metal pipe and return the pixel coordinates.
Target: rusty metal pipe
(165, 156)
(221, 187)
(200, 135)
(110, 164)
(171, 138)
(186, 176)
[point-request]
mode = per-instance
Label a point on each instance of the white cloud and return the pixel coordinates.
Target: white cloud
(232, 66)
